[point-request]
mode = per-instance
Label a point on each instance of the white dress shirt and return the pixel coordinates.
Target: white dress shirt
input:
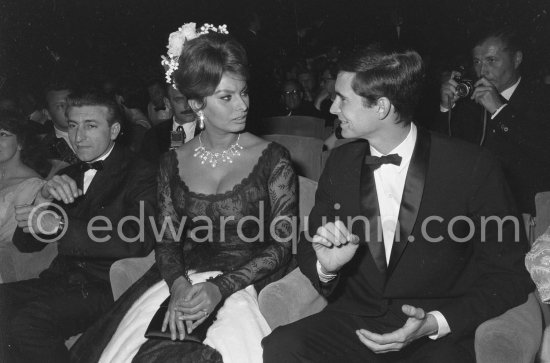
(188, 128)
(390, 183)
(89, 175)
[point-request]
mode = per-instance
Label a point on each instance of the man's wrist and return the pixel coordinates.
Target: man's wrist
(431, 327)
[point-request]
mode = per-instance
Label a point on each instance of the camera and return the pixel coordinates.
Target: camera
(465, 86)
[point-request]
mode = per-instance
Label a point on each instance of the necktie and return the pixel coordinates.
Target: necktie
(180, 130)
(96, 165)
(376, 161)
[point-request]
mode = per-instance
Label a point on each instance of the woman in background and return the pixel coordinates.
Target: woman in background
(21, 166)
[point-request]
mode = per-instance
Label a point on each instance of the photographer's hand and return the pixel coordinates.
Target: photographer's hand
(448, 90)
(486, 94)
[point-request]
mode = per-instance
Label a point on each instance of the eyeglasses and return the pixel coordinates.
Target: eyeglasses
(294, 92)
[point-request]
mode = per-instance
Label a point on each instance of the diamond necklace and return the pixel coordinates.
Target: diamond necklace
(221, 157)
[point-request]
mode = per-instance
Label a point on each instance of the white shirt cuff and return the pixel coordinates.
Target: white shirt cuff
(442, 325)
(497, 111)
(323, 277)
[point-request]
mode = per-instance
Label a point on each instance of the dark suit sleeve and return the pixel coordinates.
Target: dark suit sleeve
(323, 208)
(25, 242)
(132, 213)
(525, 127)
(501, 279)
(149, 146)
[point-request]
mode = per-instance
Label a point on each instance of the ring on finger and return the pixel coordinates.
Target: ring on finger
(205, 312)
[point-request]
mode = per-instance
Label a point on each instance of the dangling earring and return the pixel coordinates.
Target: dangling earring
(201, 119)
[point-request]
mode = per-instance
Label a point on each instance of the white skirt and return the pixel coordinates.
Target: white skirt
(236, 333)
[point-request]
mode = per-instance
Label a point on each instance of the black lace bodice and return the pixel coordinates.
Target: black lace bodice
(225, 231)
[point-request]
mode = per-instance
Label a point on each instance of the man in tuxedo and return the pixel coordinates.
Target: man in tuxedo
(100, 213)
(505, 112)
(400, 248)
(172, 133)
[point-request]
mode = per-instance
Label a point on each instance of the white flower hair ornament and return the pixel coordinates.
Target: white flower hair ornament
(176, 41)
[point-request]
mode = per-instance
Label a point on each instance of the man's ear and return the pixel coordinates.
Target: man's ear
(115, 130)
(518, 58)
(47, 113)
(384, 107)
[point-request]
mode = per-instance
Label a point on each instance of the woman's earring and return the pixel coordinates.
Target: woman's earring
(201, 119)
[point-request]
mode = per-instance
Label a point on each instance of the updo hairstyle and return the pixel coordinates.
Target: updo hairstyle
(204, 60)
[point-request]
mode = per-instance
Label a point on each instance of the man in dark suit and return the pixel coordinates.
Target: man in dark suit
(101, 212)
(516, 113)
(401, 250)
(55, 140)
(171, 133)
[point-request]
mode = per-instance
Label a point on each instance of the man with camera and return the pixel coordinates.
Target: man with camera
(503, 112)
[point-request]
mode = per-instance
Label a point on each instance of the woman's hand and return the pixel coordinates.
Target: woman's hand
(204, 298)
(180, 293)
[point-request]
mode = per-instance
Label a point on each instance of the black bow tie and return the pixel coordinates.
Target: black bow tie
(376, 161)
(96, 165)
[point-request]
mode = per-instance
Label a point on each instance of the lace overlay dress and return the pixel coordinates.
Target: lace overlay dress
(245, 233)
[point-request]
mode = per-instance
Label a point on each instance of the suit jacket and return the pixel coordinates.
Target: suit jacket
(126, 187)
(56, 148)
(157, 141)
(467, 282)
(519, 135)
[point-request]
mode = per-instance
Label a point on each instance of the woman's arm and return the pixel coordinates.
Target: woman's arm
(282, 191)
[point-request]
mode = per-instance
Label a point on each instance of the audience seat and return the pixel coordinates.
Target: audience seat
(306, 153)
(293, 125)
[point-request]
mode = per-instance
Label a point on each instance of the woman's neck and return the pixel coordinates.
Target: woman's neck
(218, 142)
(10, 169)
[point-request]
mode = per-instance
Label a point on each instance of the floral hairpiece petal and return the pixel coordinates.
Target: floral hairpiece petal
(177, 39)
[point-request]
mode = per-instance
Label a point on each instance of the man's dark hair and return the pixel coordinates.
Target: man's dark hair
(57, 82)
(507, 35)
(96, 98)
(396, 75)
(293, 82)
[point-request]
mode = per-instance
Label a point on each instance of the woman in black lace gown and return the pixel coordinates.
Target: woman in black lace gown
(236, 194)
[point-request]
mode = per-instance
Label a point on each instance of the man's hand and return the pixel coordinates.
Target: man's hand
(417, 326)
(486, 94)
(43, 221)
(334, 246)
(62, 188)
(448, 90)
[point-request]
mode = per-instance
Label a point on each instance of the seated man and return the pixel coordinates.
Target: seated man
(94, 221)
(56, 140)
(416, 240)
(293, 102)
(170, 134)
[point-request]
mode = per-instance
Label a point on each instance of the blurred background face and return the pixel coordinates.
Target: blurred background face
(328, 82)
(291, 95)
(89, 131)
(178, 102)
(493, 61)
(9, 147)
(156, 94)
(307, 80)
(227, 108)
(56, 103)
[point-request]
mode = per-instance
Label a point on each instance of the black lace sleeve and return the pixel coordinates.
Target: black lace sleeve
(168, 251)
(283, 199)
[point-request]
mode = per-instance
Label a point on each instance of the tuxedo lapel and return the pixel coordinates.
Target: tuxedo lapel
(412, 196)
(109, 178)
(370, 209)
